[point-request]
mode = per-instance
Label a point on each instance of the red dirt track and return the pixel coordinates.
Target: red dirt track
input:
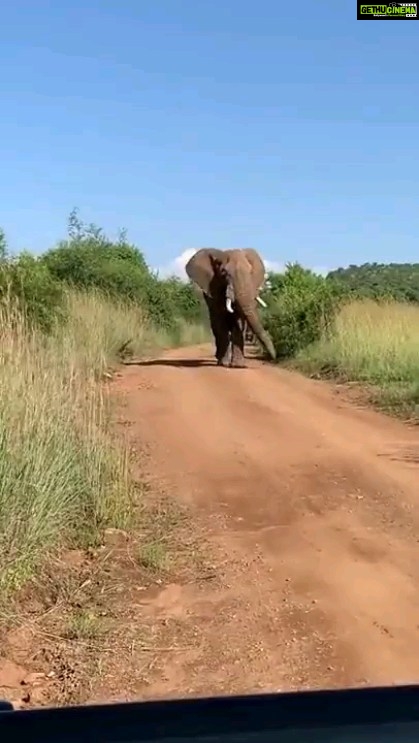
(311, 509)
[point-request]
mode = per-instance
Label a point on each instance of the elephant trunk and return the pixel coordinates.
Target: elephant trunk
(244, 298)
(252, 318)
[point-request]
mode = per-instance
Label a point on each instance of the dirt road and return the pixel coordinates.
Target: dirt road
(311, 510)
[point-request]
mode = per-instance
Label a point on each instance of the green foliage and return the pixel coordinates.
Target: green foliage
(399, 281)
(184, 298)
(89, 259)
(273, 286)
(25, 279)
(301, 307)
(3, 245)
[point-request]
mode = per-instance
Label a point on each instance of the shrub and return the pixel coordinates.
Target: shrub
(302, 306)
(28, 281)
(88, 259)
(184, 299)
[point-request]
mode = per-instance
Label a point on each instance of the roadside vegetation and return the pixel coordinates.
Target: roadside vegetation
(67, 317)
(359, 324)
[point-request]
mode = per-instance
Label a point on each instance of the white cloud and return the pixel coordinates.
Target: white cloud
(177, 266)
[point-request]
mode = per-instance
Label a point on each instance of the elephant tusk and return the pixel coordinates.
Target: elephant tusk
(261, 302)
(229, 305)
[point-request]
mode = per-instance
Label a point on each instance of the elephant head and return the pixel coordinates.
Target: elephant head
(232, 276)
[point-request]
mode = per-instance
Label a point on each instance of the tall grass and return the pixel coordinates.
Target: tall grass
(61, 479)
(374, 343)
(101, 328)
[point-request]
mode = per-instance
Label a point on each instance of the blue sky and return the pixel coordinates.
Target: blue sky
(289, 127)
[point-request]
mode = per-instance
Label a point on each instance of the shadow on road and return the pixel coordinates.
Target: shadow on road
(185, 363)
(191, 363)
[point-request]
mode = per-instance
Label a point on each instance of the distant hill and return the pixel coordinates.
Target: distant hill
(397, 280)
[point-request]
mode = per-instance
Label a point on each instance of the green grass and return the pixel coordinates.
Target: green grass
(376, 344)
(62, 480)
(153, 556)
(100, 329)
(83, 625)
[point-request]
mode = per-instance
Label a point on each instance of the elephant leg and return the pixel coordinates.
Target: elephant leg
(237, 338)
(220, 332)
(223, 347)
(223, 338)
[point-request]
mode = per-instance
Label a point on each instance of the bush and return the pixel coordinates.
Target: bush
(301, 307)
(88, 259)
(184, 299)
(38, 295)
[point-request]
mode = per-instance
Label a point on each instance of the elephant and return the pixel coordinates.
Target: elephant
(230, 281)
(249, 336)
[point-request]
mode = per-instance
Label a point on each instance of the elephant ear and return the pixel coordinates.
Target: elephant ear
(257, 266)
(202, 266)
